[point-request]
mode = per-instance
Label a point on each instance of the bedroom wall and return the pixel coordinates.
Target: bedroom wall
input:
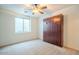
(71, 26)
(7, 29)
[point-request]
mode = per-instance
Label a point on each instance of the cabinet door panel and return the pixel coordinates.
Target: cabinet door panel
(53, 30)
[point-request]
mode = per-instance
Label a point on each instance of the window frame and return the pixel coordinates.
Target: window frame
(23, 31)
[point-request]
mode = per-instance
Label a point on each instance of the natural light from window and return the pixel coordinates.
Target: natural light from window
(22, 25)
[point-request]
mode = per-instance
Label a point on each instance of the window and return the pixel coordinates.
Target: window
(22, 25)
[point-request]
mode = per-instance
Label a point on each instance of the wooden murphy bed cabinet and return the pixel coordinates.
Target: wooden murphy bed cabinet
(53, 30)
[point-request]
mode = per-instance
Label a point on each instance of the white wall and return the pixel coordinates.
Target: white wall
(71, 26)
(7, 29)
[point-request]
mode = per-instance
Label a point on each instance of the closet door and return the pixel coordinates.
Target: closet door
(53, 30)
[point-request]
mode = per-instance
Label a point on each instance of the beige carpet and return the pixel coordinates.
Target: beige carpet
(35, 47)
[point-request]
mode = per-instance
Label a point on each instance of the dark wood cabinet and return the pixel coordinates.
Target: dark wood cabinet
(53, 30)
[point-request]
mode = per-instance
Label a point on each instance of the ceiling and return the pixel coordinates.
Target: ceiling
(20, 8)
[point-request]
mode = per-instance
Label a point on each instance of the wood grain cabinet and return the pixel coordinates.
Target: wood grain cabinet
(53, 30)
